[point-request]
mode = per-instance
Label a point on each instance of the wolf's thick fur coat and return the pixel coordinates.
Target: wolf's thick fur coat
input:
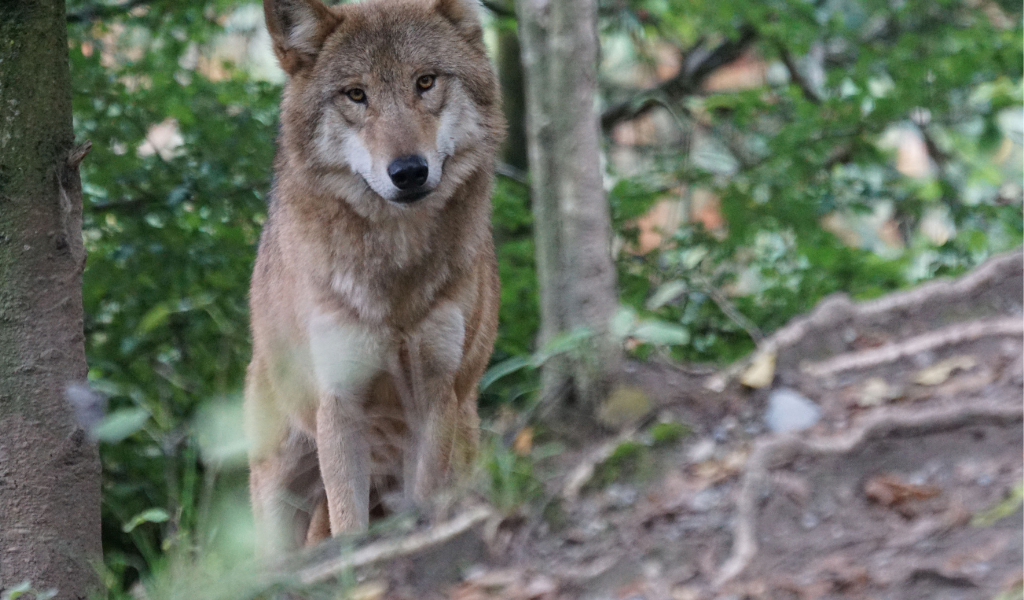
(373, 313)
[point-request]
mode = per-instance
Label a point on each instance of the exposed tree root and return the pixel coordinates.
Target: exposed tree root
(838, 311)
(775, 452)
(581, 475)
(889, 353)
(833, 309)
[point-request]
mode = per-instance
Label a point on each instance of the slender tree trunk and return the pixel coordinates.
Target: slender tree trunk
(513, 97)
(49, 469)
(571, 216)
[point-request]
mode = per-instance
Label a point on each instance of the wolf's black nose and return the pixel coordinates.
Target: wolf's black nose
(408, 172)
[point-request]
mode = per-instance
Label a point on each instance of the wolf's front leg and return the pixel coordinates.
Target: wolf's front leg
(434, 448)
(433, 354)
(346, 356)
(344, 455)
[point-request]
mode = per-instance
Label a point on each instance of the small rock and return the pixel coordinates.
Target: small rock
(701, 451)
(789, 410)
(624, 406)
(540, 586)
(704, 500)
(809, 520)
(621, 496)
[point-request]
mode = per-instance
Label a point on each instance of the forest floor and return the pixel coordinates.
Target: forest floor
(899, 478)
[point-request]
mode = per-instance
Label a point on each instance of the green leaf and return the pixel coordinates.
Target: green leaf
(150, 515)
(154, 318)
(667, 293)
(661, 333)
(1001, 510)
(622, 322)
(14, 592)
(120, 424)
(505, 367)
(563, 343)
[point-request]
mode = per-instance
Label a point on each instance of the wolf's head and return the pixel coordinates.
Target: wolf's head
(389, 104)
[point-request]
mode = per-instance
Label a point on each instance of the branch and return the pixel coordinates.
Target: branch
(117, 205)
(503, 169)
(98, 12)
(499, 8)
(686, 82)
(796, 75)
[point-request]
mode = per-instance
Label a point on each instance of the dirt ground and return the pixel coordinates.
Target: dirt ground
(899, 483)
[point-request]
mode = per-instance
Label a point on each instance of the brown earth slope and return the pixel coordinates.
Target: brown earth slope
(903, 482)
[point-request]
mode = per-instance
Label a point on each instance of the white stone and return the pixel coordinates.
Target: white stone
(789, 410)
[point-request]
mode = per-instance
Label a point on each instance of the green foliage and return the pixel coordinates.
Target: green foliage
(637, 460)
(170, 236)
(519, 315)
(25, 591)
(629, 461)
(667, 433)
(788, 155)
(1002, 509)
(510, 480)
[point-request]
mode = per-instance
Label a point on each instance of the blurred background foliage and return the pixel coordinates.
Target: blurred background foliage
(760, 155)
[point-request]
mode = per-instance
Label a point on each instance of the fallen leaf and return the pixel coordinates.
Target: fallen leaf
(716, 470)
(371, 590)
(761, 371)
(877, 391)
(523, 443)
(942, 370)
(890, 491)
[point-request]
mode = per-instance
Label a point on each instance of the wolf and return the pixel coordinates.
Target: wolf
(374, 295)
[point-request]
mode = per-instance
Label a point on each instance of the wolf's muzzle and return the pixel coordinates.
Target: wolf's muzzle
(408, 172)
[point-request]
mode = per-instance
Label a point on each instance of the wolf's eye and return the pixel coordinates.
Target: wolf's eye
(425, 82)
(356, 95)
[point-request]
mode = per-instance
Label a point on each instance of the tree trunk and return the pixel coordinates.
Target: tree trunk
(513, 99)
(571, 216)
(49, 469)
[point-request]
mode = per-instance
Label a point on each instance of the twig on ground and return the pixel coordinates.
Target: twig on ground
(730, 310)
(580, 476)
(391, 549)
(774, 452)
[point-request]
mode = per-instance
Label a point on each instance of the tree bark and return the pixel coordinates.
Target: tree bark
(49, 469)
(571, 216)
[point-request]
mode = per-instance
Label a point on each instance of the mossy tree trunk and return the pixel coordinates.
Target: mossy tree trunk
(571, 215)
(49, 469)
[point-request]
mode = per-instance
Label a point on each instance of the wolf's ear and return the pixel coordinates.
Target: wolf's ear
(465, 16)
(298, 29)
